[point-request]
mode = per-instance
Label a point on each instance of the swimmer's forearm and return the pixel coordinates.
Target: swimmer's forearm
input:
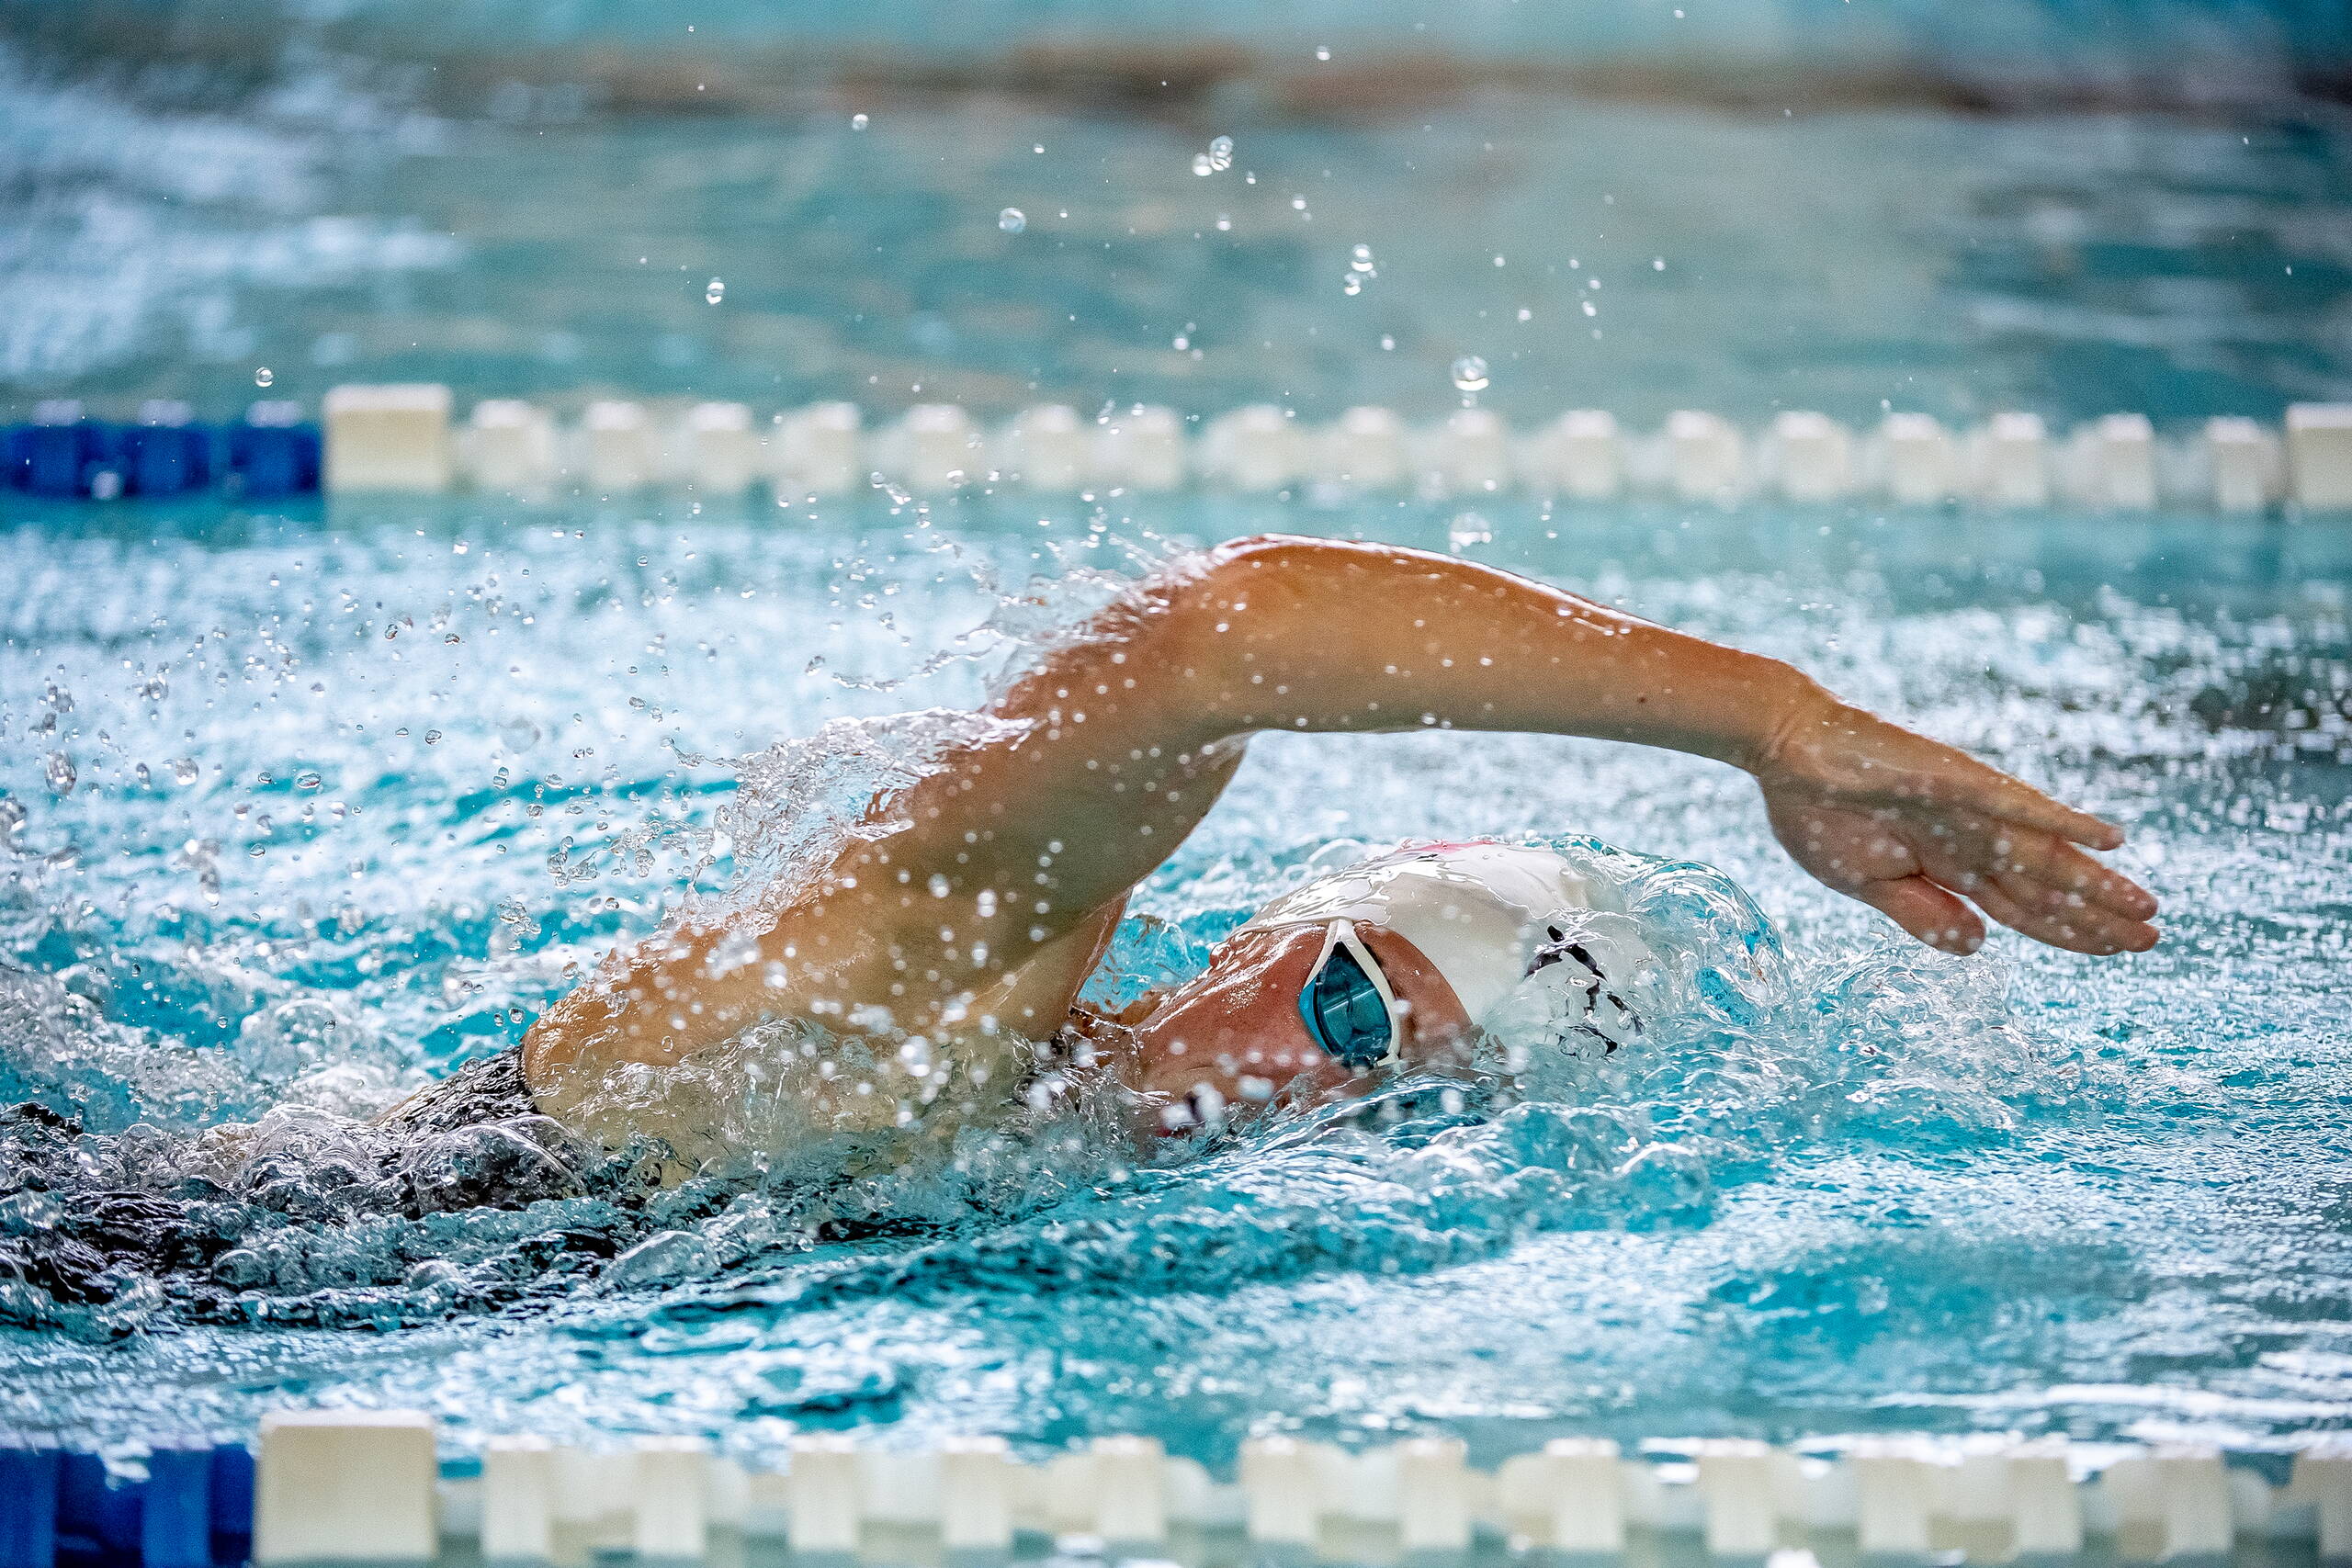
(1316, 634)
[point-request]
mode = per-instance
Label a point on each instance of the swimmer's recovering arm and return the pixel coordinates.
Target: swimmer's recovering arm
(1324, 637)
(984, 891)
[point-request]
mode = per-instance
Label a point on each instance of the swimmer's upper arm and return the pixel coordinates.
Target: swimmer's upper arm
(1015, 844)
(984, 889)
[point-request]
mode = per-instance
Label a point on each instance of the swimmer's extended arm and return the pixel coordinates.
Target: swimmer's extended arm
(983, 891)
(1363, 636)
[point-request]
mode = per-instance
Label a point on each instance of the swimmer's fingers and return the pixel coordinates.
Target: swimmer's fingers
(1928, 912)
(1978, 786)
(1859, 758)
(2047, 889)
(2081, 930)
(2047, 872)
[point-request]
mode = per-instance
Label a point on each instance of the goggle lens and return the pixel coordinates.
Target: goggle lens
(1345, 1012)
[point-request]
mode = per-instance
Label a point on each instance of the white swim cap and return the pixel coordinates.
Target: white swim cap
(1517, 933)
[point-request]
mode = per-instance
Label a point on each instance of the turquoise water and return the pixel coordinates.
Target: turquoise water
(299, 810)
(1853, 1185)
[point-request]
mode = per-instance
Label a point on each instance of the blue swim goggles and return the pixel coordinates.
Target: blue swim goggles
(1348, 1010)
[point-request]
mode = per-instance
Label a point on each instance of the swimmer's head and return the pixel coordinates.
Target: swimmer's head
(1402, 961)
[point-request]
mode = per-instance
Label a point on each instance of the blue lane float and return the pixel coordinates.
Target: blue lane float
(28, 1488)
(230, 1504)
(97, 1517)
(193, 1508)
(273, 454)
(175, 1509)
(60, 455)
(167, 453)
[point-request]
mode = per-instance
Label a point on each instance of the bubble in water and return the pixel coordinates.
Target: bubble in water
(1352, 283)
(1202, 166)
(184, 769)
(1011, 221)
(1362, 261)
(716, 292)
(858, 122)
(1468, 529)
(60, 772)
(263, 376)
(1470, 373)
(1322, 51)
(1220, 152)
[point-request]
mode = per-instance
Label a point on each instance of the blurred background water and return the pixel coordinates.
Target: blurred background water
(303, 806)
(1754, 207)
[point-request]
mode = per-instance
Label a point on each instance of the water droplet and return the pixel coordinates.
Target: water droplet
(184, 769)
(1011, 221)
(1470, 373)
(1203, 164)
(716, 292)
(858, 122)
(1468, 529)
(60, 772)
(1221, 152)
(308, 781)
(264, 377)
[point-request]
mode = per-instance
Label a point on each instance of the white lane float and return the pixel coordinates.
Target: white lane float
(349, 1487)
(397, 438)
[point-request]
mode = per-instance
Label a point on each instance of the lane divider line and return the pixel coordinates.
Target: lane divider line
(397, 439)
(360, 1486)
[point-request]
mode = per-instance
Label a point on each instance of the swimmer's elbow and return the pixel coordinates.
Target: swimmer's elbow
(1262, 558)
(1247, 585)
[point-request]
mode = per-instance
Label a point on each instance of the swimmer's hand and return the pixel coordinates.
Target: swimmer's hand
(1919, 831)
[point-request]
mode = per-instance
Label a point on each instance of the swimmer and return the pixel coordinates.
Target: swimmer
(967, 911)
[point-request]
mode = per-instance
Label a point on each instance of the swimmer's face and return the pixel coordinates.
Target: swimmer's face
(1233, 1036)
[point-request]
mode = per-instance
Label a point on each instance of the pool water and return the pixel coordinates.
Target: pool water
(1858, 1187)
(298, 810)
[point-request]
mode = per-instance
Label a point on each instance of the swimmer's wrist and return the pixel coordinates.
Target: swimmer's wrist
(1788, 706)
